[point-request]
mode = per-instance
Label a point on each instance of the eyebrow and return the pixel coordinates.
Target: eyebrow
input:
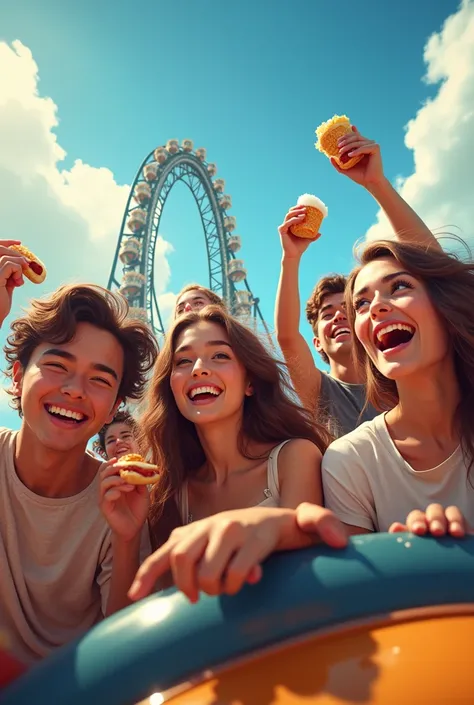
(210, 343)
(387, 278)
(57, 352)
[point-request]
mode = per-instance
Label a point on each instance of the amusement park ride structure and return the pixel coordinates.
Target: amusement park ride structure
(133, 268)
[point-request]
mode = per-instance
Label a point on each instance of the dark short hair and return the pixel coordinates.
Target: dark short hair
(332, 284)
(121, 416)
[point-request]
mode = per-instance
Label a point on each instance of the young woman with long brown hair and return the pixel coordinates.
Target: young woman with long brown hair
(221, 425)
(411, 311)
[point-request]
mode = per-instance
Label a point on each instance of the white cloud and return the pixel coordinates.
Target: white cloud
(70, 218)
(441, 135)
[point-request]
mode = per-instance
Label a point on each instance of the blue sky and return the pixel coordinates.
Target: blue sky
(250, 81)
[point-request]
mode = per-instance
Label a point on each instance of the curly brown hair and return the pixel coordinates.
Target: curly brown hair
(121, 416)
(54, 319)
(332, 284)
(269, 416)
(450, 285)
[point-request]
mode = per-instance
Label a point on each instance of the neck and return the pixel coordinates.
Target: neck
(428, 403)
(220, 444)
(51, 473)
(344, 370)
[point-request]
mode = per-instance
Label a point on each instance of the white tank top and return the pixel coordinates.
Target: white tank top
(271, 492)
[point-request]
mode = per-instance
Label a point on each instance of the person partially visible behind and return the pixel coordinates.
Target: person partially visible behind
(338, 398)
(193, 297)
(119, 437)
(71, 359)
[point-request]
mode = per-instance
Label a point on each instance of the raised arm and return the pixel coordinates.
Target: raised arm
(304, 374)
(407, 225)
(11, 275)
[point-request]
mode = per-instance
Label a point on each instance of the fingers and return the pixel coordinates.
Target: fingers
(396, 528)
(417, 523)
(8, 243)
(112, 487)
(323, 523)
(288, 224)
(184, 560)
(437, 521)
(294, 216)
(11, 270)
(456, 523)
(357, 146)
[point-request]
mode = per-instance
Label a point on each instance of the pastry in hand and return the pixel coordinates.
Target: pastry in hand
(34, 270)
(134, 469)
(315, 212)
(328, 133)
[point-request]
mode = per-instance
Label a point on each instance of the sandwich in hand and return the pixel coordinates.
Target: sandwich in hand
(134, 469)
(34, 270)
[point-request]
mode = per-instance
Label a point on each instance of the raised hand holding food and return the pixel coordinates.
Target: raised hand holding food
(134, 469)
(34, 269)
(315, 211)
(329, 133)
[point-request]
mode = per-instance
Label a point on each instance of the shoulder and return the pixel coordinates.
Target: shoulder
(299, 450)
(7, 438)
(356, 446)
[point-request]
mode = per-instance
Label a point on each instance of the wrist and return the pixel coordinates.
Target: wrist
(290, 260)
(126, 544)
(379, 187)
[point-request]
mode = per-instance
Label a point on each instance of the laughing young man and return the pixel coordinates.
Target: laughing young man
(338, 398)
(71, 359)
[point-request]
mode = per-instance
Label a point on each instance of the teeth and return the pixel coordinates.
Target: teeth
(204, 390)
(393, 326)
(342, 330)
(67, 413)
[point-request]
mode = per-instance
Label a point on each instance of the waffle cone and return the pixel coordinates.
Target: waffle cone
(328, 144)
(309, 228)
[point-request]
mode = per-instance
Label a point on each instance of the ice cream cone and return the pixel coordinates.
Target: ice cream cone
(316, 211)
(328, 133)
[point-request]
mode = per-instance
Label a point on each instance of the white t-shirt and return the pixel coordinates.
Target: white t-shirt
(55, 562)
(367, 483)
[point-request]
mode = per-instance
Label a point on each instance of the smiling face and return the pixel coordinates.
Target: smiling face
(119, 440)
(396, 321)
(207, 380)
(192, 300)
(333, 335)
(69, 391)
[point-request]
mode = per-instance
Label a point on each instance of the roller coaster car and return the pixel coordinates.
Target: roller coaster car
(389, 620)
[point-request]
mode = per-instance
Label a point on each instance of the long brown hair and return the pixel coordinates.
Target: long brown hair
(450, 285)
(269, 415)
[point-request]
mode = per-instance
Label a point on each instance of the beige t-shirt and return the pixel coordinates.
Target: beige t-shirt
(367, 482)
(55, 562)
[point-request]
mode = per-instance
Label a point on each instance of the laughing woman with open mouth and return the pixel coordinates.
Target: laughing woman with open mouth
(412, 313)
(222, 428)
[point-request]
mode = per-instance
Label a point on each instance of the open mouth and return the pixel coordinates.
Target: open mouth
(393, 335)
(341, 331)
(204, 393)
(73, 418)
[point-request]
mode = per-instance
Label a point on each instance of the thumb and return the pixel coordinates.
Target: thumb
(317, 520)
